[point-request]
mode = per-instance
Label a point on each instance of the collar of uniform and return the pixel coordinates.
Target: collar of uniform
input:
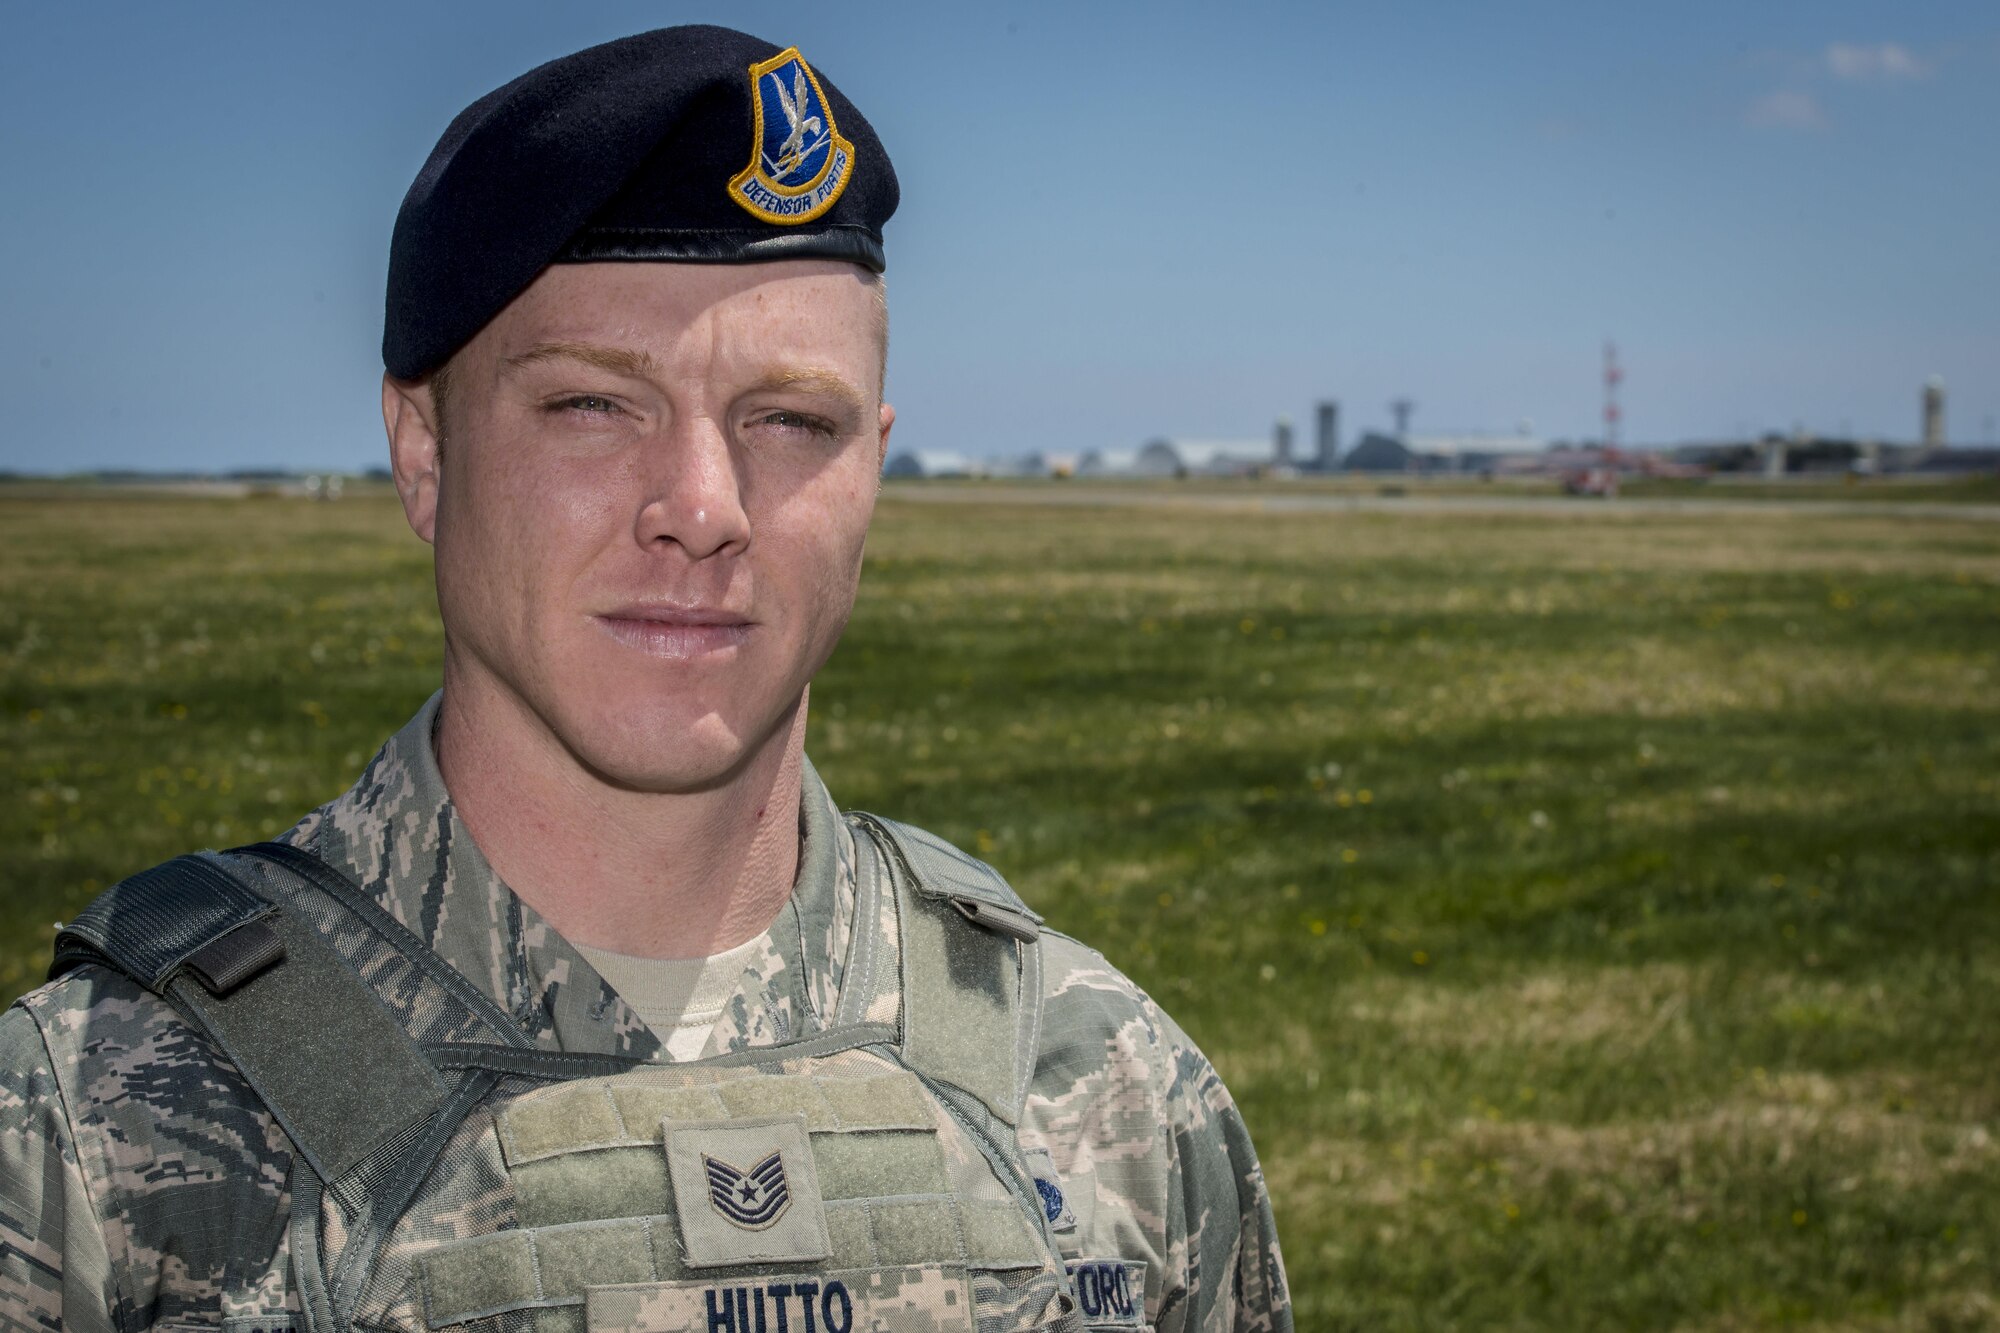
(791, 987)
(396, 833)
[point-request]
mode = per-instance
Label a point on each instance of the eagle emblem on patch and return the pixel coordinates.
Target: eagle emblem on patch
(799, 164)
(752, 1199)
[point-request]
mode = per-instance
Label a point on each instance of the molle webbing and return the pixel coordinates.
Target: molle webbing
(589, 1151)
(597, 1204)
(552, 1266)
(588, 1117)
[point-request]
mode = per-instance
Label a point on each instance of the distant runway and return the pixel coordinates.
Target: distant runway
(1316, 502)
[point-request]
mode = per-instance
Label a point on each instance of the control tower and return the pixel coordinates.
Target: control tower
(1327, 437)
(1933, 437)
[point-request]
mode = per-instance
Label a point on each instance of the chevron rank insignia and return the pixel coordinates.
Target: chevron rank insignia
(746, 1191)
(752, 1199)
(799, 164)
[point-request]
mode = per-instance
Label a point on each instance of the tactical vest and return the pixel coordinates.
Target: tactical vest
(448, 1175)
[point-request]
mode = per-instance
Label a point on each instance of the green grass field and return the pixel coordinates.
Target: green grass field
(1596, 917)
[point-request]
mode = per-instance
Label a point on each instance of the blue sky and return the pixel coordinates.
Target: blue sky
(1119, 220)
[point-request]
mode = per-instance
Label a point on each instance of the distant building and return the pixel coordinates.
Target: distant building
(1326, 436)
(1958, 461)
(1464, 452)
(1933, 436)
(1376, 452)
(1776, 454)
(1107, 463)
(1204, 458)
(1478, 452)
(1015, 465)
(930, 463)
(1716, 455)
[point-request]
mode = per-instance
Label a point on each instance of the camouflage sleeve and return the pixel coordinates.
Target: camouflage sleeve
(1236, 1278)
(55, 1270)
(1153, 1153)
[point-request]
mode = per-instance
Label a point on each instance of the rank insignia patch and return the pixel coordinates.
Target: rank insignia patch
(746, 1190)
(752, 1199)
(799, 164)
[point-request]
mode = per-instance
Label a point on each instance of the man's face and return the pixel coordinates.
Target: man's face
(650, 503)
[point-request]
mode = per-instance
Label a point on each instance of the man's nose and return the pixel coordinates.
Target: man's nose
(693, 495)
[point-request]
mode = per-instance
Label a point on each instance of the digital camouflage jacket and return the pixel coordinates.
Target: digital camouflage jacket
(143, 1185)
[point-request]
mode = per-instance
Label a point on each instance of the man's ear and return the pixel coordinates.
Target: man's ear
(409, 414)
(887, 421)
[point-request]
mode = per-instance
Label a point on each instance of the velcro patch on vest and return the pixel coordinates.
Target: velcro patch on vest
(1110, 1292)
(933, 1297)
(746, 1191)
(283, 1321)
(1049, 1188)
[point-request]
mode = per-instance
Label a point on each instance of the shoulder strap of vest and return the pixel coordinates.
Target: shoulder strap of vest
(972, 969)
(289, 1012)
(944, 873)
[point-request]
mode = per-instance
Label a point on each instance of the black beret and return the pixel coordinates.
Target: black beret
(698, 143)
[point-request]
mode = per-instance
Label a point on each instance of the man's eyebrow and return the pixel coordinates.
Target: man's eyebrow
(825, 382)
(617, 360)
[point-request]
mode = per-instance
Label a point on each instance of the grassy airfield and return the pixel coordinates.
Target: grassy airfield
(1598, 917)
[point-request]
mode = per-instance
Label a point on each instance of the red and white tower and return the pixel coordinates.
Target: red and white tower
(1612, 375)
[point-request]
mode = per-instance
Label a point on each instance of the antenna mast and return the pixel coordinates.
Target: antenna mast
(1613, 373)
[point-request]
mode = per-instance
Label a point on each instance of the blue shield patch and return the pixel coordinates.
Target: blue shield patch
(752, 1199)
(1052, 1198)
(1048, 1187)
(799, 164)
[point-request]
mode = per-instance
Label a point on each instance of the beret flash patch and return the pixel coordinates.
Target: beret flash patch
(799, 164)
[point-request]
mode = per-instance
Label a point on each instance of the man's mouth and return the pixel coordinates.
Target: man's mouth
(676, 632)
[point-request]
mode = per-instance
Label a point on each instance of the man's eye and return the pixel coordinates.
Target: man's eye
(799, 421)
(585, 402)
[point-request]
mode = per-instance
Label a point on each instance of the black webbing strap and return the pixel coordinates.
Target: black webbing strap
(325, 1055)
(187, 914)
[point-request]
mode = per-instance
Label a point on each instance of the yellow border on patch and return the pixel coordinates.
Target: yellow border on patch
(755, 171)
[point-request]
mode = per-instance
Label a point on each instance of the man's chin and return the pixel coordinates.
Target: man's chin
(659, 751)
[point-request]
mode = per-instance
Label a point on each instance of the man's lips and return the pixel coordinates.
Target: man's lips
(676, 632)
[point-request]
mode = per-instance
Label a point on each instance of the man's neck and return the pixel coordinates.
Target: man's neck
(657, 875)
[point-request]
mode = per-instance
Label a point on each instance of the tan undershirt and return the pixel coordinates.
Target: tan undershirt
(679, 998)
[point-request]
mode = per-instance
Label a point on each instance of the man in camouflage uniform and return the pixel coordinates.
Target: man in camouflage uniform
(709, 433)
